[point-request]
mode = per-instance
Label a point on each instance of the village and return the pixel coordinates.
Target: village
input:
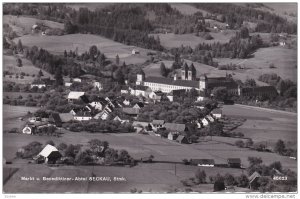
(153, 118)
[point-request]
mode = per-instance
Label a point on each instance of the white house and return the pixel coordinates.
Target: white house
(126, 102)
(97, 105)
(205, 122)
(49, 154)
(77, 80)
(138, 90)
(27, 130)
(135, 51)
(68, 84)
(102, 115)
(210, 118)
(98, 85)
(74, 95)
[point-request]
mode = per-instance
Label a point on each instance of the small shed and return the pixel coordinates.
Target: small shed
(135, 52)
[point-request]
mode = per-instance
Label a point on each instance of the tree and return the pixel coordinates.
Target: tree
(117, 59)
(70, 28)
(219, 185)
(254, 161)
(239, 143)
(200, 176)
(229, 179)
(50, 142)
(220, 93)
(163, 70)
(19, 62)
(20, 46)
(276, 165)
(279, 147)
(250, 83)
(249, 143)
(244, 32)
(119, 76)
(242, 181)
(62, 146)
(58, 76)
(40, 74)
(93, 52)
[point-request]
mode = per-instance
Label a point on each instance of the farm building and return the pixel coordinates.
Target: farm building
(74, 95)
(158, 123)
(217, 113)
(49, 154)
(203, 162)
(175, 128)
(41, 83)
(135, 52)
(182, 139)
(172, 136)
(253, 178)
(33, 128)
(234, 162)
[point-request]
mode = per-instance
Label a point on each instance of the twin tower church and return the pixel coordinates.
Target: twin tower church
(186, 80)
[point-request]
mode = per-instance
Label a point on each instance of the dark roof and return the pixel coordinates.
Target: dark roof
(227, 84)
(83, 114)
(66, 117)
(81, 109)
(140, 104)
(170, 81)
(140, 87)
(177, 93)
(175, 127)
(203, 161)
(84, 98)
(100, 99)
(56, 118)
(180, 138)
(131, 111)
(216, 111)
(234, 160)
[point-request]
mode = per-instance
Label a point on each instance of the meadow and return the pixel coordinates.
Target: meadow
(82, 42)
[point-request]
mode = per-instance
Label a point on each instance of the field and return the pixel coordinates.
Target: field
(90, 6)
(269, 127)
(12, 113)
(284, 59)
(187, 9)
(22, 25)
(172, 40)
(58, 44)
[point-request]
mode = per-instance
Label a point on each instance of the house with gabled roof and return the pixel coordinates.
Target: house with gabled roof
(175, 127)
(203, 162)
(172, 136)
(120, 119)
(99, 103)
(139, 90)
(49, 154)
(210, 118)
(138, 105)
(74, 95)
(83, 116)
(41, 83)
(204, 122)
(253, 178)
(55, 119)
(234, 162)
(133, 112)
(217, 113)
(102, 115)
(158, 123)
(182, 139)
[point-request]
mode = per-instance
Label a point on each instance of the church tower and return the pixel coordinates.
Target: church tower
(192, 72)
(203, 83)
(184, 72)
(140, 77)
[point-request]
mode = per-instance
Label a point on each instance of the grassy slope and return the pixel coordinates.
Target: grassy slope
(57, 45)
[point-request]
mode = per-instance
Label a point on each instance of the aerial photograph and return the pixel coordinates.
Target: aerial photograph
(167, 98)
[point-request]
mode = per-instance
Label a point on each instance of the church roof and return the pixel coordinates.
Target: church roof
(169, 81)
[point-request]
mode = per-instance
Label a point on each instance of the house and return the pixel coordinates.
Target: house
(77, 80)
(75, 111)
(98, 85)
(158, 123)
(124, 90)
(133, 112)
(253, 178)
(234, 162)
(139, 90)
(138, 105)
(176, 95)
(172, 136)
(83, 116)
(55, 119)
(282, 43)
(66, 117)
(41, 83)
(32, 129)
(203, 162)
(118, 118)
(49, 154)
(68, 84)
(182, 139)
(99, 103)
(102, 115)
(205, 122)
(210, 118)
(74, 95)
(27, 130)
(126, 102)
(156, 95)
(135, 52)
(175, 128)
(217, 113)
